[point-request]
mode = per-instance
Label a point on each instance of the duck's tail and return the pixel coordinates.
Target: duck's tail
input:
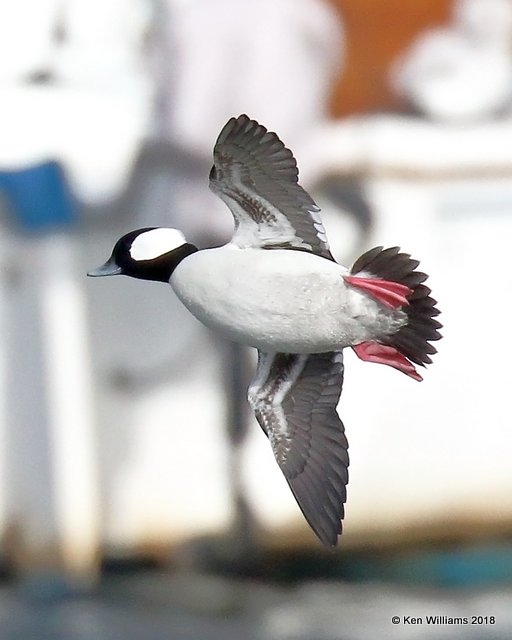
(391, 277)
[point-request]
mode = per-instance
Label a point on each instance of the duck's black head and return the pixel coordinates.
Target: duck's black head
(151, 253)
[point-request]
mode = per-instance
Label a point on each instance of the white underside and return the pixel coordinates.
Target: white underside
(279, 300)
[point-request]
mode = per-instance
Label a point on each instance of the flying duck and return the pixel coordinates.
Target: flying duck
(276, 287)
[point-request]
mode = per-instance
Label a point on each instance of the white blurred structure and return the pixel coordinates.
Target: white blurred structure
(161, 450)
(73, 91)
(73, 82)
(461, 73)
(273, 60)
(50, 471)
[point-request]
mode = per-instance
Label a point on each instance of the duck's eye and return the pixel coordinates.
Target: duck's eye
(213, 173)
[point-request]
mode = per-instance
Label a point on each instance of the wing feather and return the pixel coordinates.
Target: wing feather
(257, 177)
(294, 398)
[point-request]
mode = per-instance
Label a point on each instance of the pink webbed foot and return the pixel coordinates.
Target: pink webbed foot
(384, 354)
(392, 294)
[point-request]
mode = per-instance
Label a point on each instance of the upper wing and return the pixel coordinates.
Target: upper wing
(257, 177)
(294, 398)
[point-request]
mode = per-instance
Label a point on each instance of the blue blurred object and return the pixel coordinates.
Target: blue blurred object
(478, 566)
(39, 197)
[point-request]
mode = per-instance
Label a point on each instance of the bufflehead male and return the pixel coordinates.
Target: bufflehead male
(276, 287)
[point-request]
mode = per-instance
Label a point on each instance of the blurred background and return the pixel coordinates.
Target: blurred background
(138, 496)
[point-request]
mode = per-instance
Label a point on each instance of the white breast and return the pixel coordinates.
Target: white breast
(275, 300)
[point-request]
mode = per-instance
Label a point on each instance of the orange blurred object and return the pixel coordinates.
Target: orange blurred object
(377, 32)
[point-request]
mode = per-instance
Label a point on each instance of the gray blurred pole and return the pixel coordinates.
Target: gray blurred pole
(237, 373)
(3, 389)
(53, 510)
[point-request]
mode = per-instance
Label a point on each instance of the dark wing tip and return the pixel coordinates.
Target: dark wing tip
(234, 126)
(322, 505)
(231, 125)
(320, 488)
(252, 142)
(319, 483)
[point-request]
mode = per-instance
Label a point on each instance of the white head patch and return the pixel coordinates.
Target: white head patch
(156, 242)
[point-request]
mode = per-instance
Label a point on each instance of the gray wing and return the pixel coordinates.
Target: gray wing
(294, 398)
(257, 177)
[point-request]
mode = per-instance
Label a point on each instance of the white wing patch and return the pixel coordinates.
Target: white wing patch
(266, 395)
(156, 242)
